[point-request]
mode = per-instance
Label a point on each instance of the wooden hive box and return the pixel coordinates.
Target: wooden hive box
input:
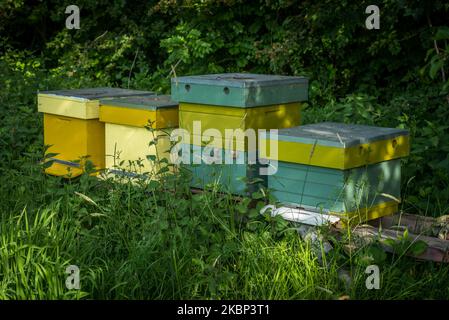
(352, 170)
(240, 177)
(72, 128)
(137, 133)
(226, 102)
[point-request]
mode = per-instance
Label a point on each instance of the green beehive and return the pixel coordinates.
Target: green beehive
(353, 170)
(240, 90)
(235, 101)
(236, 173)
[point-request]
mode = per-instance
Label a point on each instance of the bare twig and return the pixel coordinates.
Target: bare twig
(132, 66)
(437, 50)
(173, 71)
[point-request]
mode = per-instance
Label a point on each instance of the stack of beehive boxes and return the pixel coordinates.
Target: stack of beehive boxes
(137, 132)
(350, 170)
(72, 127)
(216, 102)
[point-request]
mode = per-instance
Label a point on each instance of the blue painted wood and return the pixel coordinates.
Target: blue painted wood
(314, 174)
(239, 89)
(316, 203)
(321, 190)
(337, 190)
(232, 178)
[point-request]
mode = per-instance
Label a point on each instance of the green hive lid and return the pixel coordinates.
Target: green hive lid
(149, 102)
(239, 89)
(337, 134)
(96, 93)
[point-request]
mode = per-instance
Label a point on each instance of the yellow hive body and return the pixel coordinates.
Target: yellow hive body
(139, 118)
(223, 117)
(341, 158)
(72, 128)
(129, 146)
(368, 213)
(72, 139)
(68, 106)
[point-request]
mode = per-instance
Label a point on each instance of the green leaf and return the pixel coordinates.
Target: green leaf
(442, 33)
(242, 208)
(257, 195)
(50, 155)
(48, 164)
(253, 213)
(389, 242)
(151, 157)
(435, 66)
(405, 235)
(372, 254)
(418, 248)
(163, 170)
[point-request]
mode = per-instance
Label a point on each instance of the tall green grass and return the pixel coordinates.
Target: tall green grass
(156, 240)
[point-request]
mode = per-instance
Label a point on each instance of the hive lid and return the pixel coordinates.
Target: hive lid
(138, 111)
(338, 145)
(241, 80)
(239, 89)
(96, 93)
(151, 102)
(339, 135)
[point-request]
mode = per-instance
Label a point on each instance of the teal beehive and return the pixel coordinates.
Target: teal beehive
(352, 170)
(233, 102)
(334, 190)
(241, 90)
(235, 172)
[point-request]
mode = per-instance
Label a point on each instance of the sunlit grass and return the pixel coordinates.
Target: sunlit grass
(140, 241)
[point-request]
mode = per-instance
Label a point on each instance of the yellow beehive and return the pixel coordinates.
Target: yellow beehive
(137, 133)
(72, 129)
(223, 118)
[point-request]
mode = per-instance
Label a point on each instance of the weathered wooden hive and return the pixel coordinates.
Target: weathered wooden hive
(353, 170)
(72, 127)
(226, 102)
(137, 133)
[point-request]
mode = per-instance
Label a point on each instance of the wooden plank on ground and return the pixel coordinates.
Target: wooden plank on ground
(437, 249)
(414, 223)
